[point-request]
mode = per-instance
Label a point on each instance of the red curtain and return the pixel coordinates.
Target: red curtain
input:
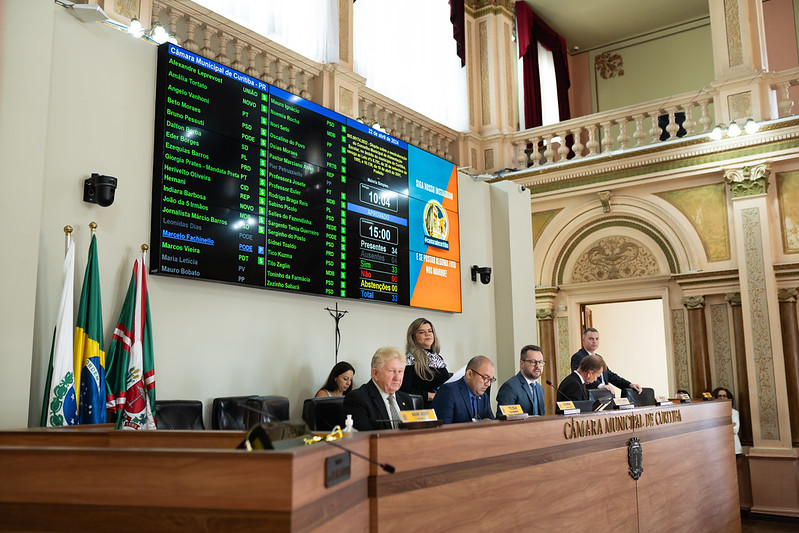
(456, 16)
(531, 31)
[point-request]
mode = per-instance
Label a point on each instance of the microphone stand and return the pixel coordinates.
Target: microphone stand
(385, 466)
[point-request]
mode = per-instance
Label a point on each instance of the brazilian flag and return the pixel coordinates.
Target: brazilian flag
(88, 350)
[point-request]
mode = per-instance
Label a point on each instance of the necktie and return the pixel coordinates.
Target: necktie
(393, 412)
(474, 408)
(585, 393)
(535, 398)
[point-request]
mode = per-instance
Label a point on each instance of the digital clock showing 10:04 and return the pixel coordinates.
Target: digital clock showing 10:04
(255, 186)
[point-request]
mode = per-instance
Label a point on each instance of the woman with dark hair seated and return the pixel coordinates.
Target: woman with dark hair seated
(720, 393)
(425, 369)
(339, 382)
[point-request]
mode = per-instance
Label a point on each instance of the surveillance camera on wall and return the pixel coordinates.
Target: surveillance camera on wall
(99, 189)
(483, 272)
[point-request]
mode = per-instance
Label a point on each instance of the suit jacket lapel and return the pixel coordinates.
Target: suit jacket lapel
(377, 401)
(464, 389)
(526, 387)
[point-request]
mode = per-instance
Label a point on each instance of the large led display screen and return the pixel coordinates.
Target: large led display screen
(255, 186)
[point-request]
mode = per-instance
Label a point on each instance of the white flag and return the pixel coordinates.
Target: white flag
(60, 403)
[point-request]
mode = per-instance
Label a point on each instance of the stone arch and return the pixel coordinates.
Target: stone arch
(621, 227)
(648, 222)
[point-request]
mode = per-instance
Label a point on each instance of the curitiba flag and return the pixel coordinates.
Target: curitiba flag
(131, 373)
(89, 355)
(60, 407)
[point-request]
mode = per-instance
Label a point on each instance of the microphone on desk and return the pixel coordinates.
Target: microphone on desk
(385, 466)
(257, 438)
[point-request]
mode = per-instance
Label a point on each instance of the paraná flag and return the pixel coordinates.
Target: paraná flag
(89, 354)
(60, 406)
(131, 372)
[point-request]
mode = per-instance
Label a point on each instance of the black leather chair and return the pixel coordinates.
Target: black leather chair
(417, 401)
(243, 412)
(267, 409)
(646, 397)
(179, 414)
(323, 414)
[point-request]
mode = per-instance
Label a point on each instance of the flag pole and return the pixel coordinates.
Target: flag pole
(93, 226)
(67, 237)
(144, 249)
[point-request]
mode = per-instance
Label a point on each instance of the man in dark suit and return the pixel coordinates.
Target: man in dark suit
(465, 400)
(590, 341)
(376, 404)
(573, 386)
(523, 389)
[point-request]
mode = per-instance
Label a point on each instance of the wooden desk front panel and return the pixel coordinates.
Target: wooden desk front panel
(488, 474)
(182, 489)
(689, 481)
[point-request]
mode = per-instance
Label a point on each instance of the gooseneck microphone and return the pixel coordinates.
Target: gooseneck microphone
(385, 466)
(560, 391)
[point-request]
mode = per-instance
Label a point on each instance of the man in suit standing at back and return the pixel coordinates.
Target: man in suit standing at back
(590, 340)
(523, 389)
(466, 400)
(377, 403)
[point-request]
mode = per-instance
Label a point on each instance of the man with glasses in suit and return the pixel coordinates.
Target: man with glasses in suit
(523, 389)
(465, 400)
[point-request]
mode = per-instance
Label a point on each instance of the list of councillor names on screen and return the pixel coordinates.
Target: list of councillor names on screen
(255, 186)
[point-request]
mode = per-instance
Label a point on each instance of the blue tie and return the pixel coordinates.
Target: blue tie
(474, 406)
(535, 398)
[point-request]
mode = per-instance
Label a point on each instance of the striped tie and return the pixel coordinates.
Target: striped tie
(395, 416)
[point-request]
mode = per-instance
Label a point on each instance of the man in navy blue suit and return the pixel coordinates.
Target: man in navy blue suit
(465, 400)
(523, 389)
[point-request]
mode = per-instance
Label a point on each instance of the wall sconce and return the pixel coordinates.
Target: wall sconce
(734, 130)
(99, 189)
(483, 272)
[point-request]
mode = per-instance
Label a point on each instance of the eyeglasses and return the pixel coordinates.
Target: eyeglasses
(486, 379)
(534, 362)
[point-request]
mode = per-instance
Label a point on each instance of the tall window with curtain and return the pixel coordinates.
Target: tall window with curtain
(545, 71)
(406, 51)
(309, 27)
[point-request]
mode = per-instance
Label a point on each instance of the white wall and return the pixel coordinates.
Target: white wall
(92, 106)
(632, 340)
(25, 58)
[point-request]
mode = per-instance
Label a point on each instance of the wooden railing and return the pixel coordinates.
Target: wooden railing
(786, 86)
(601, 133)
(406, 124)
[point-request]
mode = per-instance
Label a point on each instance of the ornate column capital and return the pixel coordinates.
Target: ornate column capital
(748, 181)
(733, 298)
(545, 314)
(694, 302)
(787, 295)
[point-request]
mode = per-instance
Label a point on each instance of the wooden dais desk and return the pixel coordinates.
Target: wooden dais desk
(551, 473)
